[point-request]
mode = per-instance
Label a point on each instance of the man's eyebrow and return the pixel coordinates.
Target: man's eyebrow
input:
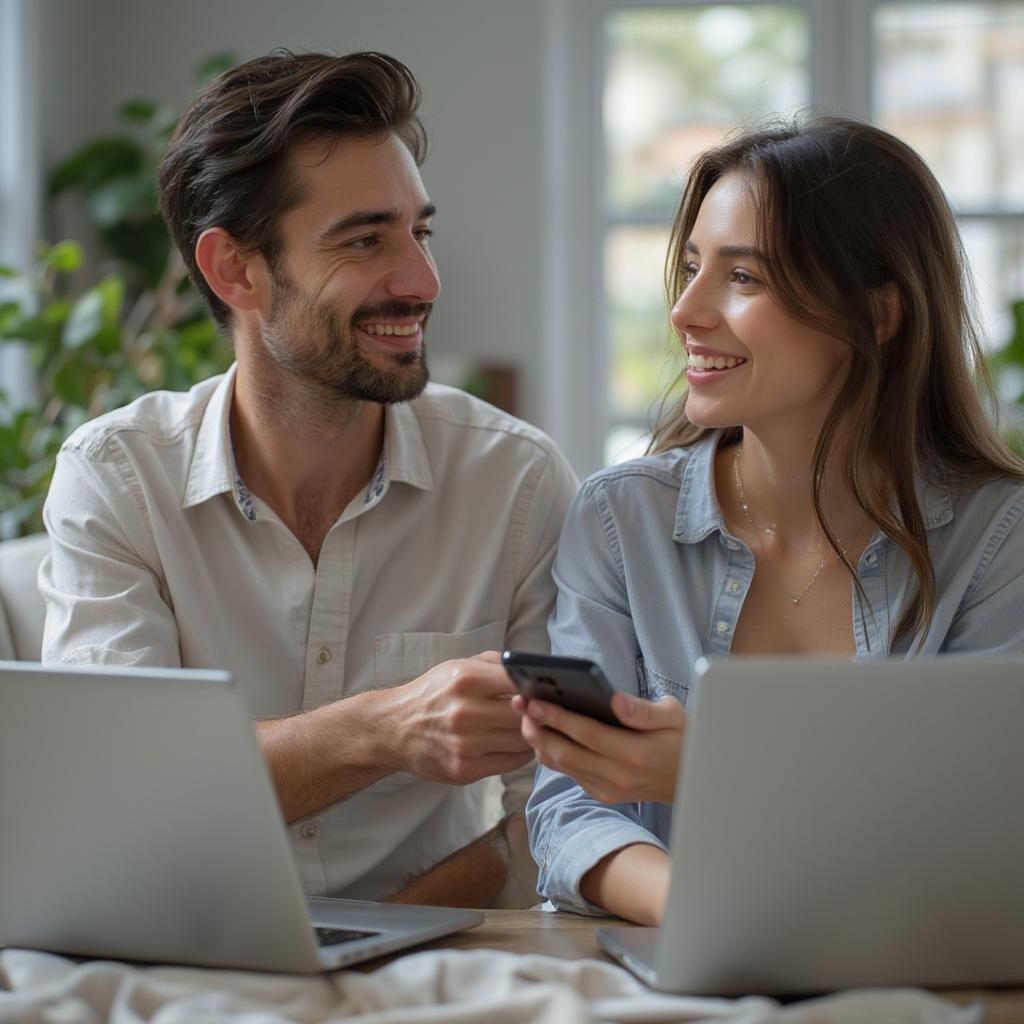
(729, 251)
(368, 218)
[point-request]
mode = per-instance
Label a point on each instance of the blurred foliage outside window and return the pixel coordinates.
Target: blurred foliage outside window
(947, 79)
(136, 325)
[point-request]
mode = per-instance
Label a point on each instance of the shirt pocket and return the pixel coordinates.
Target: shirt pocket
(653, 685)
(399, 657)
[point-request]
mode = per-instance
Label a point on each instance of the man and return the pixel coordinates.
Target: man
(352, 544)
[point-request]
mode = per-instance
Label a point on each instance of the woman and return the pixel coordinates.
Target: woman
(829, 484)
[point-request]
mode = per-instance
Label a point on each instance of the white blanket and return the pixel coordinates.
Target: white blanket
(449, 986)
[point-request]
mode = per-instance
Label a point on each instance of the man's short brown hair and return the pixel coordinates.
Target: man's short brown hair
(226, 165)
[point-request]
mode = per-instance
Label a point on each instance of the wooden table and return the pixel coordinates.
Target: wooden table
(572, 938)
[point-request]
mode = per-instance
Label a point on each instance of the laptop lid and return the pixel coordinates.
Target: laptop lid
(843, 824)
(139, 822)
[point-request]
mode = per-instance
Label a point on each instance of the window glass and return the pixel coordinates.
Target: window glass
(640, 338)
(949, 79)
(679, 78)
(995, 251)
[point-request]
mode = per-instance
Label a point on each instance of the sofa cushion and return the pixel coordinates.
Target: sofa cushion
(21, 606)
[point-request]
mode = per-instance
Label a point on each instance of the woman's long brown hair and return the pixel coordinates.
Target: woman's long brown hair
(845, 208)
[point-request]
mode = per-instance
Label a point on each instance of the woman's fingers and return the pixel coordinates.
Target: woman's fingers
(614, 765)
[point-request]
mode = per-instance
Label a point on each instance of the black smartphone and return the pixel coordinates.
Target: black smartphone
(576, 684)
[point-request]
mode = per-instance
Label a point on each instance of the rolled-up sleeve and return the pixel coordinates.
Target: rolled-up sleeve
(570, 831)
(104, 600)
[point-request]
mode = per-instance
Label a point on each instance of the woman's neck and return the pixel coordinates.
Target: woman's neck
(769, 488)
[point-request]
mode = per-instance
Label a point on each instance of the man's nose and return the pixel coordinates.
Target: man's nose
(415, 274)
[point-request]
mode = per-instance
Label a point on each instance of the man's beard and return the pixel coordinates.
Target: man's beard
(307, 340)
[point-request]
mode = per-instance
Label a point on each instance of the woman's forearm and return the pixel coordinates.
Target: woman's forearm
(631, 883)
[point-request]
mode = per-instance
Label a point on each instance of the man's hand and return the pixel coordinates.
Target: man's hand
(455, 723)
(614, 765)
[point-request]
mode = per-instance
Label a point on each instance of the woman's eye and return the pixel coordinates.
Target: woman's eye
(741, 277)
(689, 272)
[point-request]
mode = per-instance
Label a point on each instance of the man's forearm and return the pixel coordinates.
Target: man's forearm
(319, 757)
(471, 877)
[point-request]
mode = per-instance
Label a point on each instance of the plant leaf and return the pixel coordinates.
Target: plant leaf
(96, 162)
(117, 200)
(65, 257)
(85, 320)
(136, 110)
(71, 382)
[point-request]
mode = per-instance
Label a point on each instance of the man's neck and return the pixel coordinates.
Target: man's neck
(305, 456)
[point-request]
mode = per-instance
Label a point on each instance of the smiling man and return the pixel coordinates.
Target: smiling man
(352, 543)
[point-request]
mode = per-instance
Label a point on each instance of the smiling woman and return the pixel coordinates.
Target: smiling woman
(830, 482)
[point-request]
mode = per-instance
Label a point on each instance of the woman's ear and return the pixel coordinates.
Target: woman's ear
(887, 309)
(233, 273)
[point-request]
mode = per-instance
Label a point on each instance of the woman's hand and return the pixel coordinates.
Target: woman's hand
(640, 762)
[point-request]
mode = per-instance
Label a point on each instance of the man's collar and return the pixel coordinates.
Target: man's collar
(213, 470)
(699, 514)
(405, 452)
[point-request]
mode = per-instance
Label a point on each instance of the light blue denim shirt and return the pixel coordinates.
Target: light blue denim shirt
(649, 580)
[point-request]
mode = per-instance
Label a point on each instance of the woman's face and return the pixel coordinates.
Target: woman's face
(749, 363)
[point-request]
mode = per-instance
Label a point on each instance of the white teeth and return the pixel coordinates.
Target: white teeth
(402, 332)
(711, 362)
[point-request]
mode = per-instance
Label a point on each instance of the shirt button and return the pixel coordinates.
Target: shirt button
(871, 559)
(732, 545)
(734, 586)
(323, 656)
(722, 627)
(309, 831)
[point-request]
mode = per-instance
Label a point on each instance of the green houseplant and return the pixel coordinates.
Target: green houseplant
(98, 339)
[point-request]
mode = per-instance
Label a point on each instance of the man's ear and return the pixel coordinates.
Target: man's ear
(887, 308)
(235, 275)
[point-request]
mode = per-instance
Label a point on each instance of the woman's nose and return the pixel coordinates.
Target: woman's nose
(695, 310)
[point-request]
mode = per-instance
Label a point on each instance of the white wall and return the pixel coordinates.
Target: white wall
(481, 66)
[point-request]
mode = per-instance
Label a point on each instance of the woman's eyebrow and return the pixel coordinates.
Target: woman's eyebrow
(733, 251)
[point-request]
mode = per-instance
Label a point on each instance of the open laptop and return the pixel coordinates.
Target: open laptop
(138, 821)
(844, 824)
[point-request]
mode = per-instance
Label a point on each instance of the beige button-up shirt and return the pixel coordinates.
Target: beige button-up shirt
(161, 556)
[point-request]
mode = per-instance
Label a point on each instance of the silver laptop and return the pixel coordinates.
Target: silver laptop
(138, 821)
(844, 824)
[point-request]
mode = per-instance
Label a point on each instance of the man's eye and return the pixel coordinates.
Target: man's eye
(423, 234)
(365, 242)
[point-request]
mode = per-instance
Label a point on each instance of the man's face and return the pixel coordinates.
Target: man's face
(354, 280)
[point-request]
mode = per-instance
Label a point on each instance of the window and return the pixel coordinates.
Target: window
(673, 78)
(19, 169)
(948, 79)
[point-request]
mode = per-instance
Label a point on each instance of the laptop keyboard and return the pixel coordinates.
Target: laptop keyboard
(336, 936)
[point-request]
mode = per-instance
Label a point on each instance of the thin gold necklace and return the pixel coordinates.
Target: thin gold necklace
(772, 529)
